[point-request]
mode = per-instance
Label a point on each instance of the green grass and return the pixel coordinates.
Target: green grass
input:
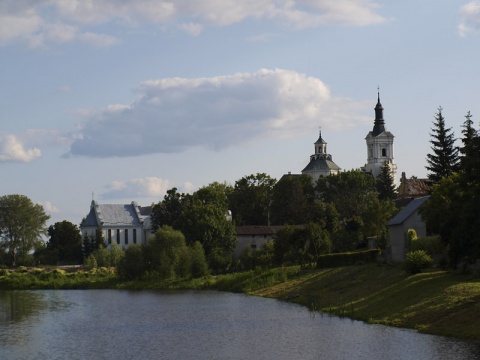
(436, 302)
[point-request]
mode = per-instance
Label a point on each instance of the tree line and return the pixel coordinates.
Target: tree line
(453, 210)
(335, 214)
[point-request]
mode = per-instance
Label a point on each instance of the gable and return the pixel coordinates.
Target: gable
(407, 211)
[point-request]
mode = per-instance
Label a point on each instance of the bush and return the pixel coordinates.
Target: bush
(431, 244)
(416, 261)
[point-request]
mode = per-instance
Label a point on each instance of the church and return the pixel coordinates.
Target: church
(379, 151)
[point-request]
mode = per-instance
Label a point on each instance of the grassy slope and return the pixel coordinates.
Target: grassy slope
(435, 302)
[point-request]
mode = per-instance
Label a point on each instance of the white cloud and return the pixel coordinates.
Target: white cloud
(137, 188)
(13, 150)
(174, 114)
(58, 21)
(49, 207)
(470, 14)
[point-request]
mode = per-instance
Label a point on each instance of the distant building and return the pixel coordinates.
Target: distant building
(253, 237)
(321, 163)
(122, 224)
(413, 188)
(398, 226)
(379, 146)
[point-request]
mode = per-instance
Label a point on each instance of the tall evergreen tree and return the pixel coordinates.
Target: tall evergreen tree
(385, 183)
(444, 159)
(470, 151)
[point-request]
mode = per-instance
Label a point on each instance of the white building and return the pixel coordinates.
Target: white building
(380, 146)
(321, 163)
(123, 224)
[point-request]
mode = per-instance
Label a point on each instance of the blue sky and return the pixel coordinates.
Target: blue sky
(125, 99)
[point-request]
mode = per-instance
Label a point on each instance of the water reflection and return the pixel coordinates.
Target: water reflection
(105, 324)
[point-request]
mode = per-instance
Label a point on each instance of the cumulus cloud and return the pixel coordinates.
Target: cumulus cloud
(137, 188)
(13, 150)
(175, 114)
(470, 14)
(49, 207)
(43, 21)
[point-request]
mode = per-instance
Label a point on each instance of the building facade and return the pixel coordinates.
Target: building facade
(122, 224)
(321, 163)
(380, 146)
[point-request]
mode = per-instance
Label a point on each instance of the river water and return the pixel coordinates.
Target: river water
(117, 324)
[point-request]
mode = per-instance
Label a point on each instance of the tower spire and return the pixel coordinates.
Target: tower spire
(379, 125)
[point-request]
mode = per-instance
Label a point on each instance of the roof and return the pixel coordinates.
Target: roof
(321, 164)
(413, 187)
(112, 214)
(257, 230)
(408, 210)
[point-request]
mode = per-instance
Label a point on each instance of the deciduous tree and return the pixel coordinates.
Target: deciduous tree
(250, 199)
(66, 241)
(22, 223)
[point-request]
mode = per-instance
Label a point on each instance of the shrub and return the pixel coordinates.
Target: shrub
(431, 244)
(416, 261)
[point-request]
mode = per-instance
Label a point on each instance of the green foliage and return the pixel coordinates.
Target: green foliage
(199, 265)
(453, 212)
(411, 235)
(293, 201)
(104, 257)
(204, 219)
(444, 160)
(22, 223)
(432, 245)
(92, 242)
(131, 266)
(250, 199)
(347, 258)
(168, 211)
(301, 245)
(416, 261)
(64, 245)
(385, 183)
(470, 152)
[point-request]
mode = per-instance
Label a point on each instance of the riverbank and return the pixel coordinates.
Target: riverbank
(435, 302)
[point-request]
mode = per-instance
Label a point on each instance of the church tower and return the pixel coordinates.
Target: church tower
(321, 163)
(380, 145)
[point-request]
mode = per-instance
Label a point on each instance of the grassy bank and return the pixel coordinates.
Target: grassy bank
(435, 302)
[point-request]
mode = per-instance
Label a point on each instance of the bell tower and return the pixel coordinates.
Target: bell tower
(380, 145)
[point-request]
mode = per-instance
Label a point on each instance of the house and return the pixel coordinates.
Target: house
(413, 187)
(123, 224)
(253, 237)
(398, 226)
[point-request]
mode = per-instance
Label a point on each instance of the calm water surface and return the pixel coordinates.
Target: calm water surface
(115, 324)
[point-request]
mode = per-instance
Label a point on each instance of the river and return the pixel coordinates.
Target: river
(118, 324)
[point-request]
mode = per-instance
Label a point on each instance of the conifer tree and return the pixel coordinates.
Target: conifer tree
(470, 151)
(385, 183)
(444, 159)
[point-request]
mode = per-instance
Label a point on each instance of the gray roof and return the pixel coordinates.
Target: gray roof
(408, 210)
(321, 164)
(112, 214)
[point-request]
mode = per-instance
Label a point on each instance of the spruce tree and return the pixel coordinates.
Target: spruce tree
(385, 183)
(470, 151)
(444, 159)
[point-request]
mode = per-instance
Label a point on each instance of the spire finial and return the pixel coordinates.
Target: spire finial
(378, 93)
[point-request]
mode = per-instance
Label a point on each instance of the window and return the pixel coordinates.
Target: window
(134, 236)
(118, 236)
(126, 236)
(109, 236)
(384, 152)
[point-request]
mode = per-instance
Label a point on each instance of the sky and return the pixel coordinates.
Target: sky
(121, 100)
